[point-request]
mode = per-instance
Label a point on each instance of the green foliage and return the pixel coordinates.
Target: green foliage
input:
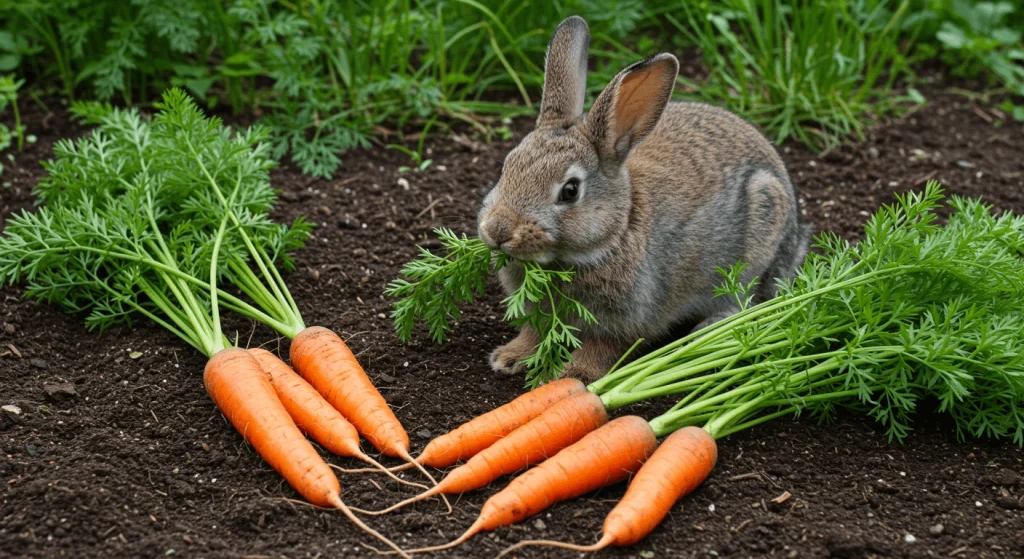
(437, 284)
(915, 313)
(135, 220)
(9, 87)
(976, 38)
(539, 303)
(817, 71)
(116, 48)
(326, 73)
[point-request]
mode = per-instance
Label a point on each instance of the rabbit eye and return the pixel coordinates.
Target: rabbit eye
(570, 191)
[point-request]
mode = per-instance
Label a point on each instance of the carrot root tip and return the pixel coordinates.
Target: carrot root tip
(430, 492)
(472, 531)
(601, 544)
(408, 458)
(337, 502)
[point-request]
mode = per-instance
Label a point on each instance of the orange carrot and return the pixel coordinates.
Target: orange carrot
(323, 359)
(605, 456)
(242, 391)
(313, 414)
(559, 426)
(679, 465)
(483, 431)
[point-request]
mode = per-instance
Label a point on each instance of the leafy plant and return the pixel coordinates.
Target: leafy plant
(130, 221)
(817, 71)
(980, 37)
(437, 284)
(9, 87)
(916, 312)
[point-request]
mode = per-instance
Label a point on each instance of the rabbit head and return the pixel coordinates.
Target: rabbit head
(564, 191)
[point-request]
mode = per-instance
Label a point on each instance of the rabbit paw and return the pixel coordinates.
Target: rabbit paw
(508, 358)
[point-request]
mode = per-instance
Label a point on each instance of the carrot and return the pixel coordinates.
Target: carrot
(314, 415)
(323, 359)
(602, 457)
(326, 362)
(242, 391)
(481, 432)
(679, 465)
(559, 426)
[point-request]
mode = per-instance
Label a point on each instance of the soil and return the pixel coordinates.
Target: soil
(118, 451)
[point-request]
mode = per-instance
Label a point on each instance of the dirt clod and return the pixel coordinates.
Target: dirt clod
(60, 391)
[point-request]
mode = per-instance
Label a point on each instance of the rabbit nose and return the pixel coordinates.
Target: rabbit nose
(495, 233)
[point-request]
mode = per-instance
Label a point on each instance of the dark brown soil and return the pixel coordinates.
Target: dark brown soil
(129, 458)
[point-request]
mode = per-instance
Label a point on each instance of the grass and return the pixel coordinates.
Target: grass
(817, 71)
(326, 74)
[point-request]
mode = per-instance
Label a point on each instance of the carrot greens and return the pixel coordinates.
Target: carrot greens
(129, 224)
(915, 314)
(437, 284)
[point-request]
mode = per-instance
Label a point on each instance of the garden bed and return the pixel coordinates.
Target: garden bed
(119, 452)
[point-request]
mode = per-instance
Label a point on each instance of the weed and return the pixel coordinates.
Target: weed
(814, 70)
(9, 86)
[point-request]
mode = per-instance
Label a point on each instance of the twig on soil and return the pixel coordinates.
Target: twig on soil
(924, 178)
(741, 477)
(982, 114)
(430, 207)
(740, 526)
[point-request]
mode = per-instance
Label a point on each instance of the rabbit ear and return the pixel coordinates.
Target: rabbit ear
(565, 74)
(630, 106)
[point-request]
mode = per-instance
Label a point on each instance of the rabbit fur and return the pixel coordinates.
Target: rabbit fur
(665, 192)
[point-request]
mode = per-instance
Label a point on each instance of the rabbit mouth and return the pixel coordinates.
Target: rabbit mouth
(540, 257)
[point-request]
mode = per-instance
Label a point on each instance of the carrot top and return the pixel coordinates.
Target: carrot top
(133, 213)
(916, 312)
(437, 284)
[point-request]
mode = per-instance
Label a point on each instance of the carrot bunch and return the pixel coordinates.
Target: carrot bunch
(151, 218)
(915, 312)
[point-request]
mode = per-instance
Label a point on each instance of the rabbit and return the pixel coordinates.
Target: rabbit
(643, 198)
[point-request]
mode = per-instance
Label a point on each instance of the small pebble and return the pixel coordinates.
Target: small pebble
(539, 524)
(909, 538)
(965, 164)
(60, 392)
(711, 507)
(977, 503)
(423, 433)
(936, 530)
(38, 363)
(873, 152)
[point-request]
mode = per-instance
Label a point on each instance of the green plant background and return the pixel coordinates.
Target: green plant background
(324, 75)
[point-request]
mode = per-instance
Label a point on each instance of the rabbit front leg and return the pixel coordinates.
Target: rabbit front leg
(593, 359)
(508, 358)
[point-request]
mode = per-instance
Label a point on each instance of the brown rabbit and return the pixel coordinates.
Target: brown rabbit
(644, 199)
